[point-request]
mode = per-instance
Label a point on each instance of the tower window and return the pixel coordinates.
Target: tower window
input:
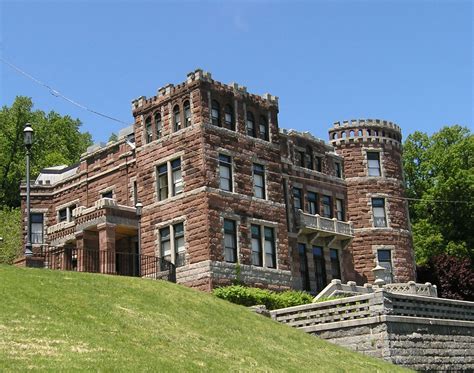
(378, 210)
(229, 118)
(384, 258)
(176, 118)
(158, 126)
(187, 113)
(263, 128)
(215, 113)
(373, 163)
(225, 172)
(148, 131)
(338, 168)
(250, 124)
(258, 181)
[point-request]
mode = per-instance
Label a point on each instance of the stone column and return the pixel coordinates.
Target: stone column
(107, 247)
(81, 265)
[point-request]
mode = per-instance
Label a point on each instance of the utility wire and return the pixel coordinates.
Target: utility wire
(56, 93)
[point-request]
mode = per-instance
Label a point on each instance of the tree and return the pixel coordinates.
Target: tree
(10, 232)
(57, 140)
(441, 168)
(113, 137)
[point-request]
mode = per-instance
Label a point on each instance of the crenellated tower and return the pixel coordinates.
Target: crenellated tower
(372, 154)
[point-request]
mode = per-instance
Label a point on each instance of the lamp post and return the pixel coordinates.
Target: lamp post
(28, 141)
(138, 211)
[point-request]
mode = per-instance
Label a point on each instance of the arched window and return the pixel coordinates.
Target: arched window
(250, 124)
(187, 113)
(229, 118)
(158, 126)
(359, 133)
(263, 128)
(343, 135)
(334, 136)
(148, 131)
(376, 132)
(368, 132)
(351, 133)
(176, 118)
(216, 113)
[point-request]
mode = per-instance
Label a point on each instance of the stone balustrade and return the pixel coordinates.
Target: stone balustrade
(320, 223)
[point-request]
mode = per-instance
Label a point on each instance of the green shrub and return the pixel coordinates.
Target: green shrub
(248, 296)
(10, 231)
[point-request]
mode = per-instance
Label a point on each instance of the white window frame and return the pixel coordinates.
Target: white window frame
(173, 250)
(262, 227)
(169, 173)
(264, 178)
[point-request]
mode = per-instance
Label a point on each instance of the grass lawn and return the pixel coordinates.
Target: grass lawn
(69, 321)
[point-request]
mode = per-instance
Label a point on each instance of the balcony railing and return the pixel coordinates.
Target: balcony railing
(108, 262)
(319, 223)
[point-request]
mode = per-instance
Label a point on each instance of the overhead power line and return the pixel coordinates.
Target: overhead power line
(56, 93)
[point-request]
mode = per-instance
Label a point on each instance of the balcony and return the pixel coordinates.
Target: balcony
(319, 227)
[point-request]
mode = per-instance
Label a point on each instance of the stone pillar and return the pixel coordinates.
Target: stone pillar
(107, 248)
(81, 265)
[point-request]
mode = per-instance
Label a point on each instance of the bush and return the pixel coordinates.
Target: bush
(454, 276)
(248, 296)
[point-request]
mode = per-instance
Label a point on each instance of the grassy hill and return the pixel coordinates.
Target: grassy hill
(68, 321)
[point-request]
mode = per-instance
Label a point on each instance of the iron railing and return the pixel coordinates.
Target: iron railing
(108, 262)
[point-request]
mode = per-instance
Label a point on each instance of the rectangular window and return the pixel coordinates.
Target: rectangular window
(384, 258)
(319, 268)
(225, 172)
(165, 243)
(256, 246)
(177, 244)
(263, 246)
(36, 226)
(162, 182)
(309, 161)
(179, 247)
(108, 194)
(326, 201)
(373, 163)
(319, 164)
(62, 215)
(338, 168)
(335, 265)
(302, 159)
(176, 177)
(340, 215)
(297, 202)
(258, 181)
(303, 267)
(313, 203)
(269, 244)
(230, 241)
(378, 210)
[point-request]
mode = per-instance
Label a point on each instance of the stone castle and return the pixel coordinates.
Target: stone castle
(227, 195)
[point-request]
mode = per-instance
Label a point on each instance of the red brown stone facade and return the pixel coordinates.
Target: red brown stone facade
(228, 196)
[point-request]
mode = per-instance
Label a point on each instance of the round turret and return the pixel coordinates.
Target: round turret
(375, 194)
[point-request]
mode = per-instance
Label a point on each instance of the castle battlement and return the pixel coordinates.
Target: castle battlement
(199, 75)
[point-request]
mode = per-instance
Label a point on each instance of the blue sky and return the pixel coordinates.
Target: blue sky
(410, 62)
